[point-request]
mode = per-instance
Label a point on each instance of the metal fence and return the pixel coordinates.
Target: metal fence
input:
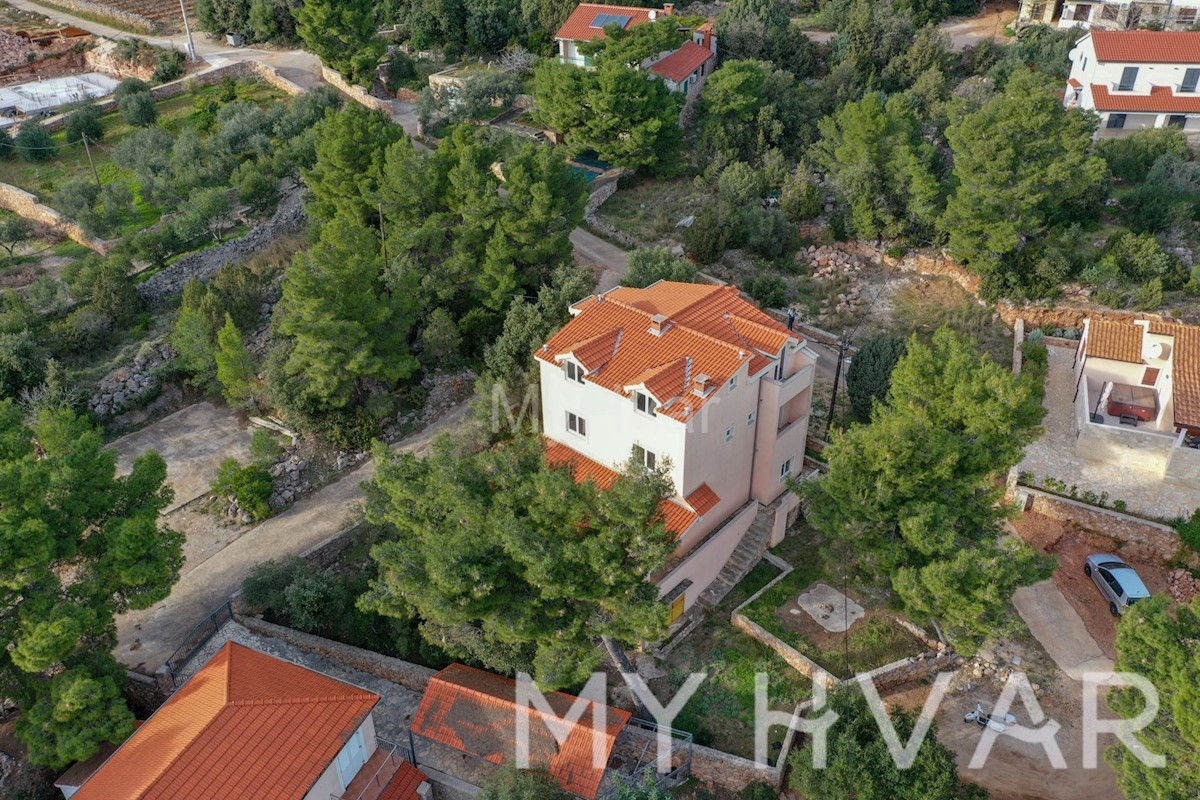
(197, 638)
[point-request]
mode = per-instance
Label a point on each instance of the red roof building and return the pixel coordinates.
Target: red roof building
(249, 725)
(588, 21)
(684, 65)
(476, 713)
(1147, 47)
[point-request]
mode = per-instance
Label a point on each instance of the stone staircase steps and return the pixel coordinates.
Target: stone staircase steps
(748, 553)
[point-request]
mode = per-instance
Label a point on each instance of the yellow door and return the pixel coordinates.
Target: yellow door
(676, 609)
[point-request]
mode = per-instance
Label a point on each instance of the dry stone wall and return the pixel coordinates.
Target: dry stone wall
(130, 386)
(356, 93)
(30, 207)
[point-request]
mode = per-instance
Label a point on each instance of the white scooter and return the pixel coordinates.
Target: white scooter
(985, 720)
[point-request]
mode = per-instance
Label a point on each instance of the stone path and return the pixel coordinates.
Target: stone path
(1144, 491)
(146, 638)
(614, 260)
(193, 442)
(1054, 622)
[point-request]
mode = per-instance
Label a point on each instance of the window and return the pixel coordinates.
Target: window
(574, 372)
(645, 403)
(1176, 120)
(779, 368)
(1128, 79)
(1191, 77)
(750, 419)
(1083, 12)
(1115, 121)
(1111, 12)
(729, 434)
(644, 457)
(733, 382)
(1186, 18)
(676, 610)
(785, 469)
(576, 424)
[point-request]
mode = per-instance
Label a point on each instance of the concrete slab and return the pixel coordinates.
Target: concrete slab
(193, 442)
(831, 609)
(1058, 627)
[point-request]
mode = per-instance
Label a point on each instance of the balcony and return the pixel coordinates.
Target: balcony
(777, 394)
(374, 776)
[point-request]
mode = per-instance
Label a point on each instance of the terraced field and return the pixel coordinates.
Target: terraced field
(144, 16)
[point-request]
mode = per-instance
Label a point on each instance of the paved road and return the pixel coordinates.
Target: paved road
(193, 442)
(1058, 627)
(614, 260)
(145, 639)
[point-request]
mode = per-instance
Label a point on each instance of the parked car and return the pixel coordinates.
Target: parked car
(1117, 581)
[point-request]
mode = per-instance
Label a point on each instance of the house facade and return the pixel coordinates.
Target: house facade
(1110, 14)
(694, 379)
(1137, 397)
(249, 725)
(685, 69)
(588, 20)
(1137, 79)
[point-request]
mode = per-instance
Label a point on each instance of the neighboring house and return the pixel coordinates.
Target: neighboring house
(248, 725)
(1110, 14)
(1137, 79)
(685, 69)
(588, 20)
(1137, 397)
(468, 723)
(694, 378)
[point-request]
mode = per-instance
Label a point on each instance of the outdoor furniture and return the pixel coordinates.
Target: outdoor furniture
(1129, 419)
(1139, 402)
(1098, 419)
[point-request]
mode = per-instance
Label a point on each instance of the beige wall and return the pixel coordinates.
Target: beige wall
(330, 784)
(702, 566)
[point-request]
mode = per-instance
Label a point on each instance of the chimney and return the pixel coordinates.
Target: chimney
(701, 385)
(658, 324)
(668, 8)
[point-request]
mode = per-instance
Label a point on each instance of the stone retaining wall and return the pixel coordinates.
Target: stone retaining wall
(606, 188)
(409, 675)
(356, 93)
(144, 693)
(30, 207)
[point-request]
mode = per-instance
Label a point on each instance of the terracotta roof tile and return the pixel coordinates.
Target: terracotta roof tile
(683, 62)
(666, 381)
(1185, 361)
(404, 784)
(710, 325)
(1075, 83)
(595, 352)
(703, 499)
(1147, 47)
(1118, 341)
(676, 517)
(246, 725)
(578, 27)
(476, 711)
(1160, 99)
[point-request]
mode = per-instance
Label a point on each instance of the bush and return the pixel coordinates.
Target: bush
(33, 142)
(768, 291)
(168, 66)
(264, 447)
(85, 121)
(259, 191)
(708, 237)
(1149, 296)
(250, 485)
(1139, 258)
(768, 232)
(740, 185)
(759, 791)
(267, 582)
(131, 86)
(1131, 157)
(7, 149)
(138, 109)
(800, 198)
(869, 377)
(1188, 527)
(650, 264)
(398, 71)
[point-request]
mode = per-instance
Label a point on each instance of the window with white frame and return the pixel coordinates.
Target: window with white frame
(785, 469)
(645, 403)
(750, 419)
(646, 458)
(733, 381)
(729, 434)
(576, 424)
(574, 372)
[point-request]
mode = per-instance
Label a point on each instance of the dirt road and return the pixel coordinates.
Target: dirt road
(1060, 630)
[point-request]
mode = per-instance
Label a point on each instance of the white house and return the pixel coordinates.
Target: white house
(1137, 397)
(248, 725)
(588, 21)
(1137, 79)
(684, 70)
(694, 378)
(1109, 14)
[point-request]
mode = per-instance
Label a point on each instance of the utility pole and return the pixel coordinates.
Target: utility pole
(188, 30)
(837, 379)
(88, 150)
(382, 237)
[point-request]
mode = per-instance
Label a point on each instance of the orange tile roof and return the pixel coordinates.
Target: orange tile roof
(1185, 361)
(1147, 47)
(1160, 99)
(1075, 82)
(703, 499)
(1118, 341)
(247, 725)
(677, 518)
(683, 62)
(710, 330)
(476, 711)
(404, 784)
(578, 27)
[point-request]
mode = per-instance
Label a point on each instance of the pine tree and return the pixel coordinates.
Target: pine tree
(342, 34)
(349, 148)
(634, 121)
(235, 365)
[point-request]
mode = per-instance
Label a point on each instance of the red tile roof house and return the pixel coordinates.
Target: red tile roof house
(248, 725)
(695, 377)
(1137, 79)
(682, 70)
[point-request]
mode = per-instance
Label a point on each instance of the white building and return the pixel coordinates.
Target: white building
(1109, 14)
(1137, 79)
(694, 378)
(588, 21)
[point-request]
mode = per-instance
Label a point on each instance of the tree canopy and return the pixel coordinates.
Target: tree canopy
(80, 546)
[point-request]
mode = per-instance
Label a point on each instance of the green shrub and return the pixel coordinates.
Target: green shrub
(267, 582)
(398, 71)
(1131, 157)
(250, 485)
(33, 141)
(708, 237)
(138, 109)
(759, 791)
(168, 66)
(265, 449)
(85, 121)
(650, 264)
(7, 150)
(768, 232)
(769, 291)
(869, 377)
(131, 86)
(1188, 527)
(1149, 296)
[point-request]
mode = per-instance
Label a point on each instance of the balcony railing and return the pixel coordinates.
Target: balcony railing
(374, 776)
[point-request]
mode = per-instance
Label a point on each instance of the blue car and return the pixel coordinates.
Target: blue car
(1117, 581)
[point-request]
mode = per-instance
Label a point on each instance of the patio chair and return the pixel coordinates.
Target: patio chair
(1129, 419)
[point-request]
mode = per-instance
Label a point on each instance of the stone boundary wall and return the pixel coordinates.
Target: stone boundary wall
(409, 675)
(596, 199)
(355, 93)
(1130, 533)
(144, 693)
(29, 206)
(726, 770)
(104, 10)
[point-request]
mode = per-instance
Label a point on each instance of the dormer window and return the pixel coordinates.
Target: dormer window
(574, 372)
(645, 403)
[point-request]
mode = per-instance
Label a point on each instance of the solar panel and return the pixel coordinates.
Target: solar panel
(620, 20)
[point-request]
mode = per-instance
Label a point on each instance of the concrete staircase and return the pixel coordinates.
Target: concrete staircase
(748, 553)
